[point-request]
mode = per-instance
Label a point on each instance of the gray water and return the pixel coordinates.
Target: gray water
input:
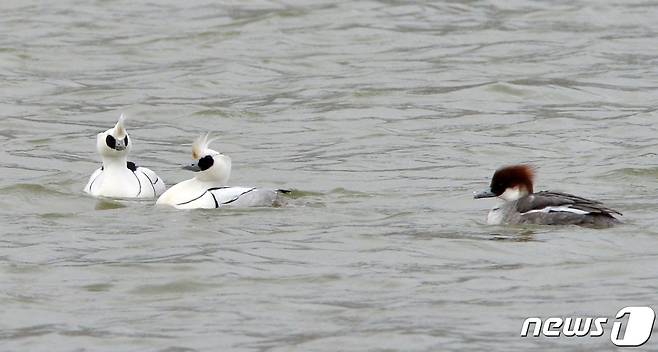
(383, 116)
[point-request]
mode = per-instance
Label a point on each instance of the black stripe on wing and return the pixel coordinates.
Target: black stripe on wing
(94, 180)
(150, 181)
(238, 196)
(203, 194)
(192, 200)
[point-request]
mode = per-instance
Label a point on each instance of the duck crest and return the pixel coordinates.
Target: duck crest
(200, 145)
(517, 175)
(119, 129)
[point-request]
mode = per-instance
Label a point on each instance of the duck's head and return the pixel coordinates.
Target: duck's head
(510, 183)
(210, 165)
(115, 141)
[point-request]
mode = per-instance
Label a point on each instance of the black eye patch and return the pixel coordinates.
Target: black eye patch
(497, 188)
(111, 142)
(125, 141)
(206, 162)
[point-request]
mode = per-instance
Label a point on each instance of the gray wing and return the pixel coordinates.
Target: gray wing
(246, 197)
(546, 199)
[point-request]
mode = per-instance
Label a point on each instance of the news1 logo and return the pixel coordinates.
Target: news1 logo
(637, 329)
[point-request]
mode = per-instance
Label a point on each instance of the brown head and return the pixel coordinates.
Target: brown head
(510, 183)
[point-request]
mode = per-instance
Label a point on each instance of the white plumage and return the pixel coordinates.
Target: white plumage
(208, 189)
(119, 178)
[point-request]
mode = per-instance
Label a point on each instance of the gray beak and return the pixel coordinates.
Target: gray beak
(483, 194)
(119, 145)
(192, 167)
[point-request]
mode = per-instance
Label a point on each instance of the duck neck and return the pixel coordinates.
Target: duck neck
(115, 162)
(210, 182)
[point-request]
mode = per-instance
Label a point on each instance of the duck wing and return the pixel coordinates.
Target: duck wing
(547, 201)
(244, 196)
(157, 186)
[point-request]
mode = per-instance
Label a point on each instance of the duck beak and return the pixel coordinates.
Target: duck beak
(119, 145)
(483, 194)
(192, 167)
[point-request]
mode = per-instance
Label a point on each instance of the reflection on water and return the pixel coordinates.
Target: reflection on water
(105, 204)
(523, 235)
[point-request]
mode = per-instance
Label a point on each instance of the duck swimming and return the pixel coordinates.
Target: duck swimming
(514, 185)
(208, 189)
(118, 177)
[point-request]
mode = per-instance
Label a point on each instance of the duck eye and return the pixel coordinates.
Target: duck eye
(125, 141)
(497, 187)
(111, 142)
(206, 162)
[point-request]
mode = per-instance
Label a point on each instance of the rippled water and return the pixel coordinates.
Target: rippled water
(383, 115)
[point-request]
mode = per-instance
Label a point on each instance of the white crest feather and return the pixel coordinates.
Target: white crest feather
(119, 129)
(200, 145)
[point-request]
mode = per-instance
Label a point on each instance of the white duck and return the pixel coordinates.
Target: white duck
(118, 177)
(207, 189)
